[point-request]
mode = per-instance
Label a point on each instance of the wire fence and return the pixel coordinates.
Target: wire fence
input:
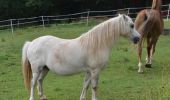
(85, 16)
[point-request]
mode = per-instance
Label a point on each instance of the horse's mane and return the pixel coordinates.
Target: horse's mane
(102, 35)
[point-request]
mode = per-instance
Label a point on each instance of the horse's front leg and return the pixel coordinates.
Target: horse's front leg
(141, 69)
(94, 82)
(86, 83)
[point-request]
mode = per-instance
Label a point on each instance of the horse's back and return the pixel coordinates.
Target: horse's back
(45, 39)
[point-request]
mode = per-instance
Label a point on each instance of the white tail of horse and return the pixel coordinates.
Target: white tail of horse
(27, 72)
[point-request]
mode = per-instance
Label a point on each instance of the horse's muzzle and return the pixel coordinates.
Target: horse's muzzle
(136, 40)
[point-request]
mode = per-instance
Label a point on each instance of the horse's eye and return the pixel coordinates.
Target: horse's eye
(132, 25)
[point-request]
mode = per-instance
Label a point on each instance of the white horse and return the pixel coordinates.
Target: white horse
(88, 53)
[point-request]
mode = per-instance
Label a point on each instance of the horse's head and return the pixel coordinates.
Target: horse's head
(128, 28)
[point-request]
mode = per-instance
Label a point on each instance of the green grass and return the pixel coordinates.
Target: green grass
(166, 24)
(119, 81)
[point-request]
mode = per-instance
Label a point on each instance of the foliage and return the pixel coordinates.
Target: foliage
(29, 8)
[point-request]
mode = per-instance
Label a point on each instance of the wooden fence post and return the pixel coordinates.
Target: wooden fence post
(18, 22)
(168, 13)
(128, 11)
(12, 29)
(42, 19)
(88, 12)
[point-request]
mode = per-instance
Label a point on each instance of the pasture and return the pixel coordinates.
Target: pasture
(119, 81)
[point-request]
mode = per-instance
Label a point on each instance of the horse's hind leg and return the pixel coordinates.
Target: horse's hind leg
(33, 82)
(86, 83)
(153, 47)
(148, 58)
(151, 51)
(141, 69)
(43, 73)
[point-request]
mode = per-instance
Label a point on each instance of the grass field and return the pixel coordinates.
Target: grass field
(119, 81)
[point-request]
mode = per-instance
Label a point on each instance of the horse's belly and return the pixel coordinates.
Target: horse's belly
(63, 69)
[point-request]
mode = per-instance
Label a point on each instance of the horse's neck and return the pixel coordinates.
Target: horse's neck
(156, 5)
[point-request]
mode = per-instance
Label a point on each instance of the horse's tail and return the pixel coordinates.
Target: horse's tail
(27, 72)
(156, 4)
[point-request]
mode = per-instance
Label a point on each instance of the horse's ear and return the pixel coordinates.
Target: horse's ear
(124, 17)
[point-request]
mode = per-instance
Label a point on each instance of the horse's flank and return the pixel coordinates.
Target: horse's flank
(152, 24)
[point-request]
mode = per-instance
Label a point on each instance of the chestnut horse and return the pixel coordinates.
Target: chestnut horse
(149, 24)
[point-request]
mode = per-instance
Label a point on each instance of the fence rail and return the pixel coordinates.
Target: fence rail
(43, 20)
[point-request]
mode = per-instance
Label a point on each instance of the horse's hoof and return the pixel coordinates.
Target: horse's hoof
(148, 65)
(43, 98)
(141, 72)
(82, 99)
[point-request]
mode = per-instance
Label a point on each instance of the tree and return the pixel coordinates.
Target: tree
(30, 8)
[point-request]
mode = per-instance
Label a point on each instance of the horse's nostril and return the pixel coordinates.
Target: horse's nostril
(136, 39)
